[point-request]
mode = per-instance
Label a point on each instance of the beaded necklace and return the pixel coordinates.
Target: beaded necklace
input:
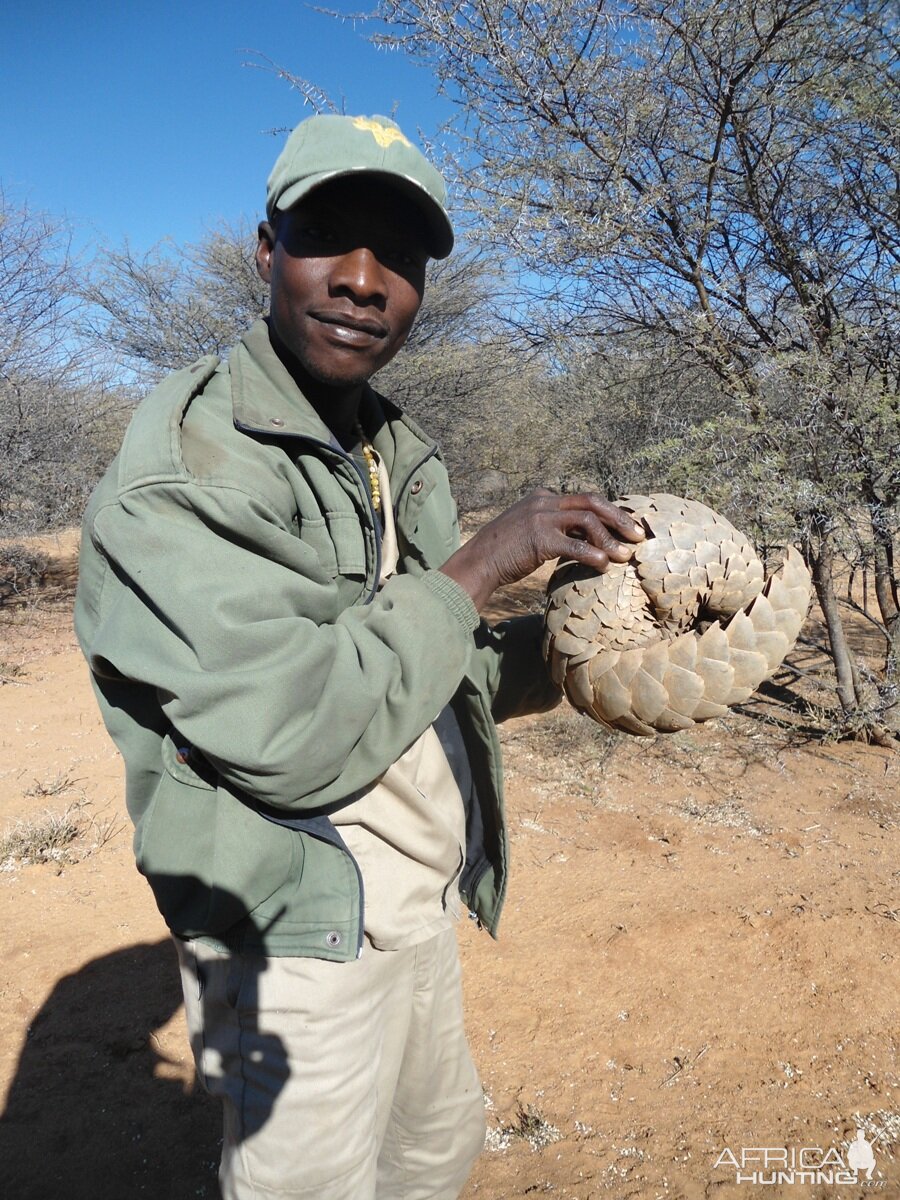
(369, 455)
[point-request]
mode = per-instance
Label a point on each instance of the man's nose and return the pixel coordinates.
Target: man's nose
(359, 273)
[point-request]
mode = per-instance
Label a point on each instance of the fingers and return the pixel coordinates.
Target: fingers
(539, 528)
(610, 514)
(586, 526)
(592, 529)
(580, 551)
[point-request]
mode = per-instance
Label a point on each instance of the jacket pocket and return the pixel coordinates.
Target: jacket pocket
(314, 532)
(427, 516)
(338, 542)
(183, 763)
(346, 535)
(209, 857)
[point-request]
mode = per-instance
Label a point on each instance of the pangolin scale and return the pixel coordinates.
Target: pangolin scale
(687, 628)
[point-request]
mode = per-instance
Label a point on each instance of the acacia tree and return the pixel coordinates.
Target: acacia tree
(162, 310)
(722, 175)
(53, 403)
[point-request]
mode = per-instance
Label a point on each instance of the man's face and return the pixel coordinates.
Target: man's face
(347, 270)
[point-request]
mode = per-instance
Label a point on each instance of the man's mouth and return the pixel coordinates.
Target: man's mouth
(351, 328)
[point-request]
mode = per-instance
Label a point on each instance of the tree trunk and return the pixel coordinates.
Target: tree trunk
(886, 592)
(853, 692)
(821, 562)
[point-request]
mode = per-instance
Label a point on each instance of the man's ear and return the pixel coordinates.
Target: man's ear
(264, 249)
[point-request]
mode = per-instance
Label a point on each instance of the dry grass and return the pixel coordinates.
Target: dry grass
(56, 785)
(36, 574)
(562, 749)
(529, 1126)
(62, 837)
(47, 837)
(11, 672)
(22, 570)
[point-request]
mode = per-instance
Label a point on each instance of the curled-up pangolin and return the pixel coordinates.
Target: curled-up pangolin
(685, 629)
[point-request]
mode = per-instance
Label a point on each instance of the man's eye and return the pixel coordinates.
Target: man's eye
(314, 234)
(402, 257)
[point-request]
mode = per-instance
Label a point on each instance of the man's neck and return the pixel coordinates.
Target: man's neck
(337, 406)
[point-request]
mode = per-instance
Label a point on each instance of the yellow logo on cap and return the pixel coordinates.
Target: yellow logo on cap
(384, 135)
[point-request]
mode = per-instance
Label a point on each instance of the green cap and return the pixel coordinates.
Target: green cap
(328, 146)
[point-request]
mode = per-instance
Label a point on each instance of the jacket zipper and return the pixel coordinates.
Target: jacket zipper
(340, 453)
(376, 523)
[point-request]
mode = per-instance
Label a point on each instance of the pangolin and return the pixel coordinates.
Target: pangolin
(685, 629)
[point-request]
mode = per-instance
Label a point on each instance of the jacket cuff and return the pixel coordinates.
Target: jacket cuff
(455, 597)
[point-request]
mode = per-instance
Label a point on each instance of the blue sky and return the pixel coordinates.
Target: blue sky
(138, 119)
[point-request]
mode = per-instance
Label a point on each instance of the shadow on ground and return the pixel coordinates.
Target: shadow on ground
(86, 1118)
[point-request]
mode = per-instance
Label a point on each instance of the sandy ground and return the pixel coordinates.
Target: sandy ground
(699, 960)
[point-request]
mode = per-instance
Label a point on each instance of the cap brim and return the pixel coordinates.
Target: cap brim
(439, 228)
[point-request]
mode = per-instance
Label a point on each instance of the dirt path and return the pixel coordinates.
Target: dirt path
(700, 955)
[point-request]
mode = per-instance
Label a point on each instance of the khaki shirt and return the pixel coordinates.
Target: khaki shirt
(407, 831)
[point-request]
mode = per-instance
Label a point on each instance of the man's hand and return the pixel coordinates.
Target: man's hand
(541, 527)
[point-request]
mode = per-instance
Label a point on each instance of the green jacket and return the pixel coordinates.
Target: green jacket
(249, 672)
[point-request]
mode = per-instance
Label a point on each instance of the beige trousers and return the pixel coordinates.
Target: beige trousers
(340, 1081)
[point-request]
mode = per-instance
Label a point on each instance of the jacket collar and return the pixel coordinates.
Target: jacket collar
(266, 400)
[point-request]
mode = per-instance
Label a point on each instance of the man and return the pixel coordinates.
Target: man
(285, 641)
